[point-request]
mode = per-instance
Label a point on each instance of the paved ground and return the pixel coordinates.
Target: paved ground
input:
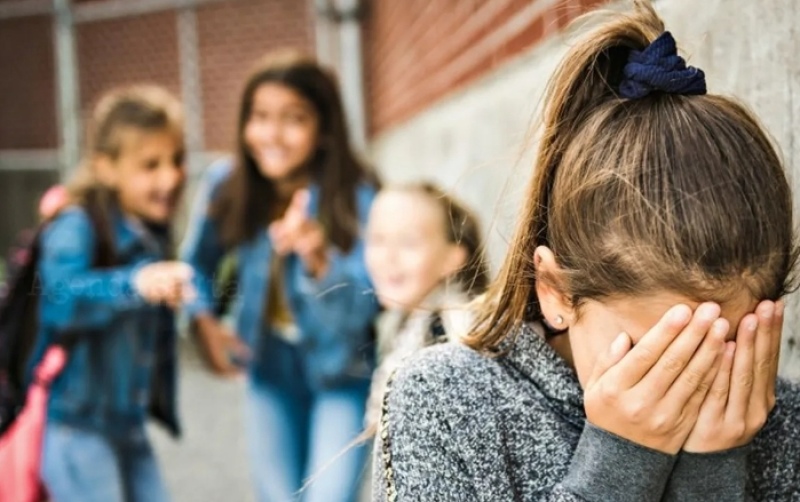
(209, 463)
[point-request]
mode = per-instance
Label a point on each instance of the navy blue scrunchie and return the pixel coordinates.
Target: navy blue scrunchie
(659, 68)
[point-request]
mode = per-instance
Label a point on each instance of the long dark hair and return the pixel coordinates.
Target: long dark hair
(246, 203)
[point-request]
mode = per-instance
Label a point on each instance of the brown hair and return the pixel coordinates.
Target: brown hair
(145, 108)
(462, 228)
(667, 192)
(245, 204)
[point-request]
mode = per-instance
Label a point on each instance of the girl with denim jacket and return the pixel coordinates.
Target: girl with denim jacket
(291, 206)
(107, 289)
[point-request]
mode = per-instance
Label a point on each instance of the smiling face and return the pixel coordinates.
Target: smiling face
(281, 133)
(147, 175)
(407, 251)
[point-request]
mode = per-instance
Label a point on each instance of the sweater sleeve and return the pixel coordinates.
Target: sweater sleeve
(607, 467)
(697, 475)
(75, 295)
(418, 458)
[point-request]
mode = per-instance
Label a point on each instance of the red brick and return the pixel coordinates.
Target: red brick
(28, 93)
(410, 67)
(125, 51)
(233, 36)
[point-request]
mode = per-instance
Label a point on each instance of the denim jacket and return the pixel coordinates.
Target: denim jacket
(334, 315)
(123, 363)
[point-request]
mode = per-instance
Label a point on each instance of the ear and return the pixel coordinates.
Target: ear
(105, 171)
(454, 261)
(556, 307)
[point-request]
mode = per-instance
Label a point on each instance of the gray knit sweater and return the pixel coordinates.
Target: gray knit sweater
(460, 426)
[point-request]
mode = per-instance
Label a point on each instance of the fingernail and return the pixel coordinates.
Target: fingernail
(680, 314)
(619, 343)
(767, 310)
(708, 311)
(751, 324)
(720, 326)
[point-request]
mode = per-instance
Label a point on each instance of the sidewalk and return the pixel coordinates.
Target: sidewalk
(209, 464)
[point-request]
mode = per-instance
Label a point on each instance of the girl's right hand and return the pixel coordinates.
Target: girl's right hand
(220, 348)
(743, 393)
(165, 282)
(651, 394)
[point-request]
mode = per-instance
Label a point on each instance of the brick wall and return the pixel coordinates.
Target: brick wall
(140, 49)
(233, 35)
(420, 50)
(27, 88)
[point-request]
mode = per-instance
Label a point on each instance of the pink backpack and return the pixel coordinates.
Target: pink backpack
(21, 444)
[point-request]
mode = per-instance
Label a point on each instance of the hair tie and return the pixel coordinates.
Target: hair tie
(659, 68)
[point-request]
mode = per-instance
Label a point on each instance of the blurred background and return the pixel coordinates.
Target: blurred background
(436, 89)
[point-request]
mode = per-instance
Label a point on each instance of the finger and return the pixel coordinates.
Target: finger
(237, 348)
(180, 270)
(742, 373)
(697, 375)
(701, 400)
(309, 244)
(762, 355)
(280, 232)
(717, 398)
(296, 213)
(650, 349)
(299, 203)
(616, 351)
(775, 352)
(280, 239)
(218, 359)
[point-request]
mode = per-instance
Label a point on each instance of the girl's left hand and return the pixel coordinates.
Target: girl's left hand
(743, 393)
(299, 234)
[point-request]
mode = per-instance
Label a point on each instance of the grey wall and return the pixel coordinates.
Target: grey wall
(474, 142)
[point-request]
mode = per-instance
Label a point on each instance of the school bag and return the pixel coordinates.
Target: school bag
(19, 308)
(23, 404)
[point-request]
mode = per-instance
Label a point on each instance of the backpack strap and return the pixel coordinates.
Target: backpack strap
(104, 254)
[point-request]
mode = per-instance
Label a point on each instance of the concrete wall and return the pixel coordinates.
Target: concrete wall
(420, 51)
(473, 142)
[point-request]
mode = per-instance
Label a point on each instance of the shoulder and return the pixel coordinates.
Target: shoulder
(449, 379)
(69, 231)
(787, 407)
(70, 225)
(775, 457)
(782, 429)
(217, 174)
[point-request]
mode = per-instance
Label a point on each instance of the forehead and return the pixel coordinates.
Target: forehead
(275, 94)
(639, 314)
(405, 208)
(132, 140)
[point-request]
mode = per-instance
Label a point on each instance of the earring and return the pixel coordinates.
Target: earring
(553, 331)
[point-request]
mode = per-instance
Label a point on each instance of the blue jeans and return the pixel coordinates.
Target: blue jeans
(85, 466)
(301, 441)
